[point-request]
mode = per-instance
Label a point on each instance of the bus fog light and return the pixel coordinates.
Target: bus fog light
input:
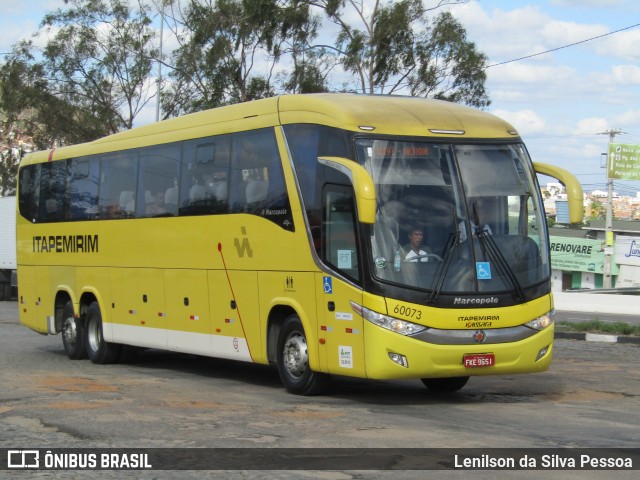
(542, 352)
(399, 359)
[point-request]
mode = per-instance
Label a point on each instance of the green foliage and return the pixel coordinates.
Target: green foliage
(398, 47)
(597, 326)
(230, 50)
(88, 71)
(90, 78)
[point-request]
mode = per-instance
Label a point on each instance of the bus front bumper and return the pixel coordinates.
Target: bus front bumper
(389, 355)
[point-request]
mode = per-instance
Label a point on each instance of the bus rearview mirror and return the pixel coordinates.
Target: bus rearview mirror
(362, 185)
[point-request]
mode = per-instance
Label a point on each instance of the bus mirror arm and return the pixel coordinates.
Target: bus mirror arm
(575, 198)
(362, 185)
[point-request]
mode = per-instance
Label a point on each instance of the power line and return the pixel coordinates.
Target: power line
(564, 46)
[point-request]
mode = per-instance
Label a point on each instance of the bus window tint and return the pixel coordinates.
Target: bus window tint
(257, 179)
(339, 236)
(84, 179)
(158, 183)
(118, 185)
(205, 170)
(29, 192)
(53, 200)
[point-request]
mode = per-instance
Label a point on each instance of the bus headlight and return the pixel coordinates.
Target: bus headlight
(390, 323)
(541, 322)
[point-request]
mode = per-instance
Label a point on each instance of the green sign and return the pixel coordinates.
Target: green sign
(576, 254)
(623, 162)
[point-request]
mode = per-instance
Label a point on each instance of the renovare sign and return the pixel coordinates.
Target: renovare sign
(577, 254)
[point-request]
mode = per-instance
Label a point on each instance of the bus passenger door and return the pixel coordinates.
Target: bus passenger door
(188, 319)
(339, 327)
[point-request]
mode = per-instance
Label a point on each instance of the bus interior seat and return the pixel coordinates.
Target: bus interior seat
(127, 201)
(171, 196)
(197, 193)
(386, 229)
(220, 190)
(256, 190)
(51, 206)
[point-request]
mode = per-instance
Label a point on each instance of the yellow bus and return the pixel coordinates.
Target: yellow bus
(333, 234)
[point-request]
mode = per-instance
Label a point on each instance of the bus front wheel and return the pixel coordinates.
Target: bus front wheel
(99, 350)
(445, 385)
(73, 336)
(293, 360)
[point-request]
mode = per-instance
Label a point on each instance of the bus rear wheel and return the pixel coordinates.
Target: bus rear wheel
(293, 360)
(445, 385)
(73, 335)
(99, 350)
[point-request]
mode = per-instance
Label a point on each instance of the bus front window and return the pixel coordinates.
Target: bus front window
(455, 218)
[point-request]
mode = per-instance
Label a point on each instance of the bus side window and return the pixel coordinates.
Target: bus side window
(118, 176)
(204, 176)
(158, 184)
(340, 242)
(84, 179)
(29, 192)
(53, 198)
(258, 185)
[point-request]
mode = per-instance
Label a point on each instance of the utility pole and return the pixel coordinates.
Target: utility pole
(608, 248)
(159, 80)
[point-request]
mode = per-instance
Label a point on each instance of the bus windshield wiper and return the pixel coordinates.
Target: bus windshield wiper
(490, 249)
(441, 273)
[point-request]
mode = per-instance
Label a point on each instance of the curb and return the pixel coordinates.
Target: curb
(596, 337)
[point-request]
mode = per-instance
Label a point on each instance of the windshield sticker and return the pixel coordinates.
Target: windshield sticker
(344, 259)
(483, 270)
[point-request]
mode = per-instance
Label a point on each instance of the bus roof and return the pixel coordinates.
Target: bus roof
(382, 114)
(396, 115)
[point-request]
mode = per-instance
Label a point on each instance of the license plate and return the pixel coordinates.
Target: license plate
(476, 360)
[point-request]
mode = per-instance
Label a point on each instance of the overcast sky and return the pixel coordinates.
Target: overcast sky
(560, 102)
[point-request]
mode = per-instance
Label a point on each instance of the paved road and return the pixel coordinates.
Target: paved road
(589, 398)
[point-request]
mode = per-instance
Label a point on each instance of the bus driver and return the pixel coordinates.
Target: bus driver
(415, 251)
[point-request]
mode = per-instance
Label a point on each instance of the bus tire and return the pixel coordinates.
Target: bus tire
(73, 336)
(445, 385)
(293, 360)
(99, 351)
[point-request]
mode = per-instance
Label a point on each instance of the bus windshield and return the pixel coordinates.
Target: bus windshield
(455, 218)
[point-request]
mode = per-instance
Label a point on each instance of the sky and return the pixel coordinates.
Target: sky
(561, 102)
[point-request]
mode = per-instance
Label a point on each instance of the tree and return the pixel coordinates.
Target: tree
(395, 47)
(230, 50)
(91, 77)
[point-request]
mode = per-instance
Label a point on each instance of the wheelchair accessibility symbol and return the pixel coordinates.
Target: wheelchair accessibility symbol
(327, 284)
(483, 270)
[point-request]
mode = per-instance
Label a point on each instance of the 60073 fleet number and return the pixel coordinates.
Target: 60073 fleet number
(407, 311)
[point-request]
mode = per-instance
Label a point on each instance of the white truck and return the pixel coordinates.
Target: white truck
(8, 273)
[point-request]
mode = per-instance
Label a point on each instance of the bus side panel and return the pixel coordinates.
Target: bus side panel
(340, 327)
(27, 296)
(296, 291)
(139, 316)
(235, 316)
(187, 311)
